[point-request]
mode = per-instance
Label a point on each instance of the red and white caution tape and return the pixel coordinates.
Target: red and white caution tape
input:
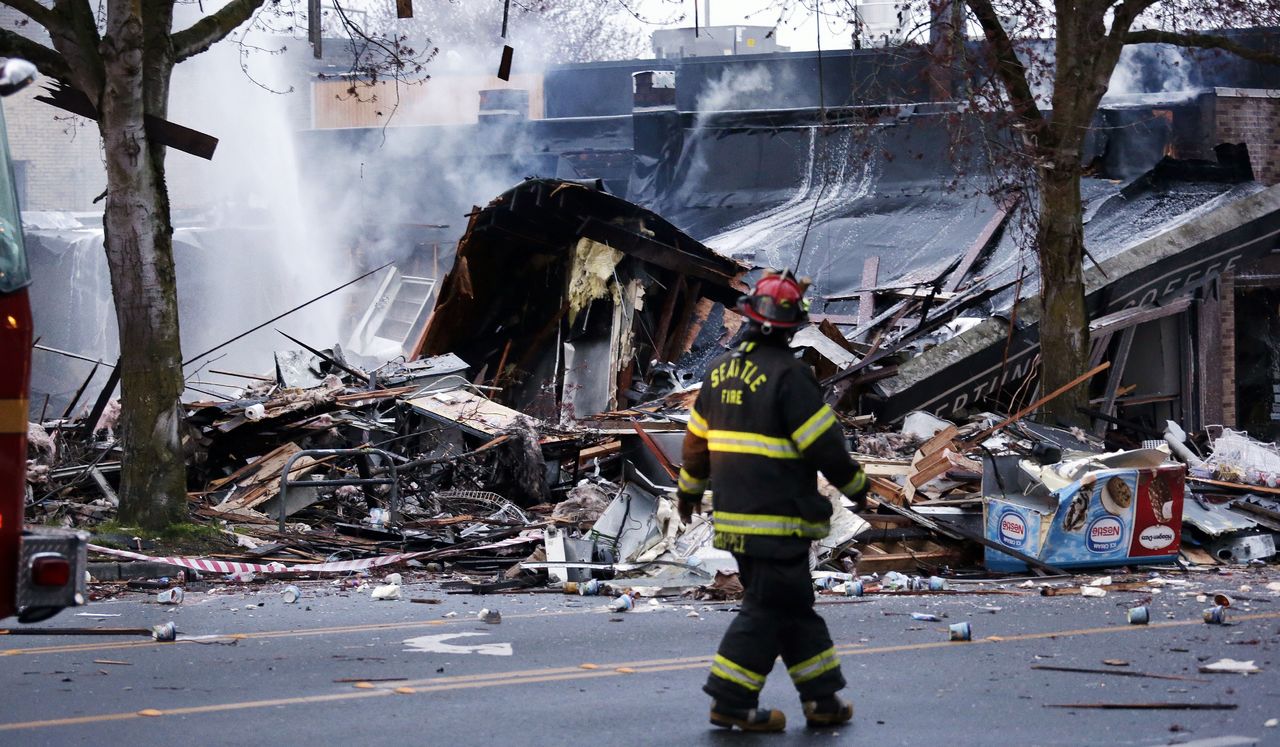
(224, 566)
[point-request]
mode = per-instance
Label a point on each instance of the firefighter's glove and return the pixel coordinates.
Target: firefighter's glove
(856, 490)
(686, 504)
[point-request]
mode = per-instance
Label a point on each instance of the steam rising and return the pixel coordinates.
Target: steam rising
(1151, 68)
(279, 217)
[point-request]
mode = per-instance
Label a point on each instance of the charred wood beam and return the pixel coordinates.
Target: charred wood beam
(664, 319)
(359, 375)
(675, 339)
(104, 398)
(536, 344)
(667, 257)
(75, 400)
(925, 308)
(507, 223)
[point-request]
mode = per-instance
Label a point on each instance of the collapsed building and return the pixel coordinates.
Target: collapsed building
(563, 293)
(870, 192)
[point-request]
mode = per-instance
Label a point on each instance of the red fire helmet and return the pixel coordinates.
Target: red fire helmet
(777, 300)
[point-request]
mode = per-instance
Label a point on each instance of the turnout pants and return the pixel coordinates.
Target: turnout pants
(776, 619)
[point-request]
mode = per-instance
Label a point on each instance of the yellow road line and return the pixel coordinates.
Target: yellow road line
(533, 676)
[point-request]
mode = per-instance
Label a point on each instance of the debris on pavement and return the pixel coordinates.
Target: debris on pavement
(1148, 706)
(1230, 666)
(1118, 673)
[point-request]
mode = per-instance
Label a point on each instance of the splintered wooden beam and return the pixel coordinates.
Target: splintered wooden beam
(160, 130)
(984, 435)
(1113, 380)
(979, 245)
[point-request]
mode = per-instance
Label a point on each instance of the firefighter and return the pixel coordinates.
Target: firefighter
(759, 432)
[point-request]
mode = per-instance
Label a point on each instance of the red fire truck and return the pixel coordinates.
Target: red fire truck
(42, 570)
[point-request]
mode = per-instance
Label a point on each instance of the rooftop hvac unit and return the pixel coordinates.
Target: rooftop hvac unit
(884, 19)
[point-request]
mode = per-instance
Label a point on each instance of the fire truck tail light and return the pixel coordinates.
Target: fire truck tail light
(50, 569)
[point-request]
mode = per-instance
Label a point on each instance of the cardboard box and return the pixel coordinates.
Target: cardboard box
(1112, 510)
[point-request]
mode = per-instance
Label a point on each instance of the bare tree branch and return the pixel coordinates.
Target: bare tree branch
(213, 28)
(1125, 14)
(1011, 70)
(1203, 41)
(73, 31)
(49, 62)
(31, 9)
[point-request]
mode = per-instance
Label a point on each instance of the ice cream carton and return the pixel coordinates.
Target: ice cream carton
(1105, 510)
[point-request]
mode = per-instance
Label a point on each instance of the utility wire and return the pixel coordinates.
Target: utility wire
(278, 317)
(819, 158)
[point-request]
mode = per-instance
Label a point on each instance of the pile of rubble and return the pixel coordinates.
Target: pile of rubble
(414, 463)
(533, 437)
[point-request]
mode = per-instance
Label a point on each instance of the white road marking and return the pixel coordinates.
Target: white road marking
(438, 644)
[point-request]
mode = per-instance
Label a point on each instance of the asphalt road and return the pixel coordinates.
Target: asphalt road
(563, 670)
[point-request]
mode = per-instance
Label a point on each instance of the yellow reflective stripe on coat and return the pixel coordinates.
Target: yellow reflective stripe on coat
(697, 424)
(815, 667)
(13, 416)
(690, 484)
(743, 442)
(854, 486)
(736, 673)
(814, 427)
(770, 525)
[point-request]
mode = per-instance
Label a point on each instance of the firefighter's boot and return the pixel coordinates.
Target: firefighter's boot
(829, 711)
(747, 719)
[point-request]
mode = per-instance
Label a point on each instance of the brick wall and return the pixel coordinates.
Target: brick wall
(1252, 116)
(59, 154)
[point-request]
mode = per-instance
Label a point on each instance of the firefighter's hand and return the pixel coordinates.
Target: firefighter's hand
(686, 505)
(859, 494)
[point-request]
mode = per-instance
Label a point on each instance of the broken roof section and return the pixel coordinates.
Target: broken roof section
(1134, 283)
(566, 296)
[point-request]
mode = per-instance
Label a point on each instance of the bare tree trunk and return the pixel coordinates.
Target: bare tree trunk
(1064, 324)
(139, 245)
